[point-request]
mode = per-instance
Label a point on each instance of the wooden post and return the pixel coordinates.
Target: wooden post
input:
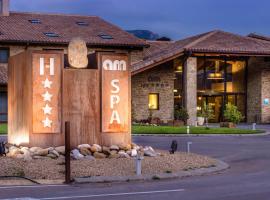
(67, 153)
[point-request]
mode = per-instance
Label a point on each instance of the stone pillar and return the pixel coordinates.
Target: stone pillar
(190, 89)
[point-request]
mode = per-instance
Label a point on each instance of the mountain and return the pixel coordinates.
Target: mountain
(144, 34)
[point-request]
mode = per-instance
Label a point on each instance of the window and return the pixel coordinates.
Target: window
(51, 34)
(105, 36)
(4, 55)
(153, 101)
(82, 23)
(34, 21)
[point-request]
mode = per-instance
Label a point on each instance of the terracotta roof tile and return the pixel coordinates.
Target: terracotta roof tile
(211, 42)
(17, 28)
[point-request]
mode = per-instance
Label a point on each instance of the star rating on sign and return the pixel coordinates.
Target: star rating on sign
(47, 96)
(47, 110)
(47, 83)
(47, 123)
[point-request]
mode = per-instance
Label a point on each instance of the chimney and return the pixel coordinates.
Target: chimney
(4, 7)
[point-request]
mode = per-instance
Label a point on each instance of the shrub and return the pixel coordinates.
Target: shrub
(232, 114)
(180, 114)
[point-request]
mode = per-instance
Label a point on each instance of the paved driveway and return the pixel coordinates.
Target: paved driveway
(247, 179)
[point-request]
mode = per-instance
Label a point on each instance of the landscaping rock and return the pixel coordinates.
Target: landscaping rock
(125, 147)
(89, 157)
(134, 152)
(149, 151)
(53, 156)
(26, 154)
(113, 152)
(106, 150)
(114, 147)
(84, 146)
(96, 148)
(35, 149)
(85, 151)
(41, 152)
(114, 156)
(14, 151)
(76, 154)
(54, 152)
(60, 150)
(123, 154)
(99, 155)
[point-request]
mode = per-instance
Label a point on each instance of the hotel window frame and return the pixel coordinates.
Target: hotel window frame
(4, 61)
(157, 101)
(225, 93)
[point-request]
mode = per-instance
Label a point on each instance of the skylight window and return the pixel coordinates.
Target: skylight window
(105, 36)
(34, 21)
(82, 23)
(50, 34)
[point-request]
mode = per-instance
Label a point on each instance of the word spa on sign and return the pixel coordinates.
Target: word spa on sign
(117, 65)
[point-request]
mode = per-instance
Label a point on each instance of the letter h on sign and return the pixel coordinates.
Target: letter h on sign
(42, 66)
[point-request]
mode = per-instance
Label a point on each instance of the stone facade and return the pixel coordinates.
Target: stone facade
(190, 89)
(258, 89)
(157, 80)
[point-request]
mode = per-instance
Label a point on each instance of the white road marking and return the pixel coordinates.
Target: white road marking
(31, 186)
(115, 194)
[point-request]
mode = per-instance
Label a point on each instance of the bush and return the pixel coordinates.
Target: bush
(181, 114)
(232, 114)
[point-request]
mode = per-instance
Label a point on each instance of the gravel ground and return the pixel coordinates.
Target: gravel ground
(54, 169)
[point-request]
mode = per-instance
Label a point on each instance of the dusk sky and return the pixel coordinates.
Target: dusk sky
(172, 18)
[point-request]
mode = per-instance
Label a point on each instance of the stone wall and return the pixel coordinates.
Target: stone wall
(258, 89)
(157, 80)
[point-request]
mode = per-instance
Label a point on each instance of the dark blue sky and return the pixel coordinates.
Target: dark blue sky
(172, 18)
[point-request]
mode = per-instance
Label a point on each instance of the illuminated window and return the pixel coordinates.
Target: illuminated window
(153, 101)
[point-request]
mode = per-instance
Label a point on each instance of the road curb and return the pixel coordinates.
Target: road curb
(220, 166)
(206, 135)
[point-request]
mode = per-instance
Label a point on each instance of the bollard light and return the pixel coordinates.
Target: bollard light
(139, 159)
(188, 146)
(254, 126)
(188, 129)
(173, 147)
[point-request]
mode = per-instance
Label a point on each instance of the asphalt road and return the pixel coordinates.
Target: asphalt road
(247, 179)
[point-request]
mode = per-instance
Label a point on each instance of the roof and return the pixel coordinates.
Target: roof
(259, 36)
(211, 42)
(17, 28)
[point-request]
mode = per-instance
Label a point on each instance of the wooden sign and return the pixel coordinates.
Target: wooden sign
(115, 93)
(46, 93)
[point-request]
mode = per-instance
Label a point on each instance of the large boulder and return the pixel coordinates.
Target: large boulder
(99, 155)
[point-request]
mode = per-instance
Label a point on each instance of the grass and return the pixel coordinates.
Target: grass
(138, 129)
(3, 129)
